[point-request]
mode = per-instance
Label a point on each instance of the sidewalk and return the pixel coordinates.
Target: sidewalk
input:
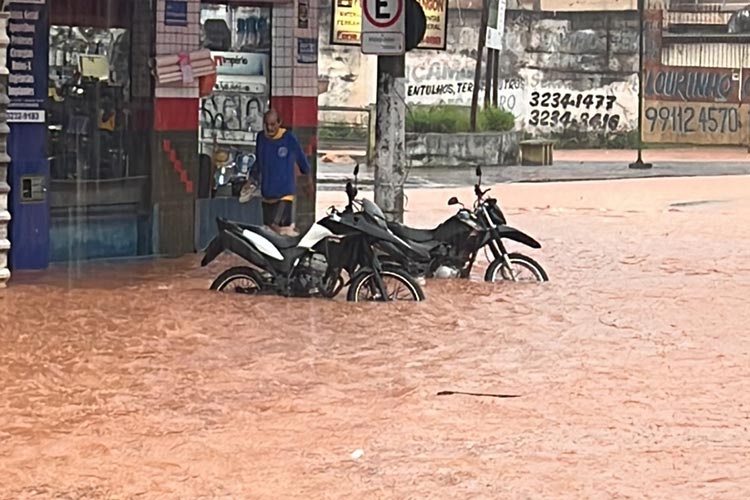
(692, 154)
(569, 165)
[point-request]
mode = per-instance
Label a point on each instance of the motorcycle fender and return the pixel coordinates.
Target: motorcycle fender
(514, 234)
(384, 266)
(361, 271)
(213, 250)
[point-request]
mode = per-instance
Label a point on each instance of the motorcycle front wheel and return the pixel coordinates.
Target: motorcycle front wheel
(524, 268)
(398, 286)
(239, 280)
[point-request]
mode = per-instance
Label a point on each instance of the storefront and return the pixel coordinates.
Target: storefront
(239, 38)
(109, 161)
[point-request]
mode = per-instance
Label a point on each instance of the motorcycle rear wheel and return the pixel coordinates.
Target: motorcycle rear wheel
(394, 280)
(498, 271)
(240, 279)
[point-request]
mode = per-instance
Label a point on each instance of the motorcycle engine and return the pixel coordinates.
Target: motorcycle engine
(446, 272)
(309, 276)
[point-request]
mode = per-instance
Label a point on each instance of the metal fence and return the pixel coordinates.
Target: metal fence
(347, 128)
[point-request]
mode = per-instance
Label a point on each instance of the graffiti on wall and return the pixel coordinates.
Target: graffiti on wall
(693, 105)
(577, 110)
(449, 79)
(556, 108)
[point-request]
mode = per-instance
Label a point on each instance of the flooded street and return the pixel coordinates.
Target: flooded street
(631, 368)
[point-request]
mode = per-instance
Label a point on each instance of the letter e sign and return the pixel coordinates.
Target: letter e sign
(383, 27)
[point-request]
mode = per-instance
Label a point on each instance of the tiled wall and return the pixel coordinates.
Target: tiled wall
(294, 86)
(290, 77)
(172, 40)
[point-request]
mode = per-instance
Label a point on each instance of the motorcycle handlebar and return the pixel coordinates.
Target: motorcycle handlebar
(479, 192)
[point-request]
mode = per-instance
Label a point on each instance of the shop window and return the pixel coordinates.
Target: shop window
(239, 38)
(89, 89)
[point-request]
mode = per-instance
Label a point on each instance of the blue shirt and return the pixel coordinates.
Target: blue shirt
(275, 161)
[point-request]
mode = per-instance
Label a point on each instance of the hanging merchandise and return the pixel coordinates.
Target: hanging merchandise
(184, 67)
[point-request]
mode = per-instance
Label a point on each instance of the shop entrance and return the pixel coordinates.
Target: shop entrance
(238, 34)
(99, 190)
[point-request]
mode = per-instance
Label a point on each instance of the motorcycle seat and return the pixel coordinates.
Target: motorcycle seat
(408, 233)
(280, 241)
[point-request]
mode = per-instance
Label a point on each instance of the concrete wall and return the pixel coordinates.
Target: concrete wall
(578, 5)
(565, 74)
(452, 150)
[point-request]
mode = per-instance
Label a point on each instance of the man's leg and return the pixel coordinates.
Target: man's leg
(269, 211)
(284, 220)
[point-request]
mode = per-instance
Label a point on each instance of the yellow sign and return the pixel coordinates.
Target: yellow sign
(346, 26)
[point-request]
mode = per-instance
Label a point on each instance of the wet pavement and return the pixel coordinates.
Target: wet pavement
(630, 368)
(569, 165)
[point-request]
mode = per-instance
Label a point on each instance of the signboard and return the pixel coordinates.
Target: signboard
(693, 105)
(346, 23)
(27, 56)
(26, 116)
(383, 27)
(242, 63)
(695, 123)
(496, 25)
(176, 13)
(307, 50)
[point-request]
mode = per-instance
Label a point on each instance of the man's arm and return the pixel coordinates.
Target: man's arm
(304, 165)
(255, 169)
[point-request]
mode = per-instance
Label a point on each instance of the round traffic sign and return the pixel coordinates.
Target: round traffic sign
(383, 13)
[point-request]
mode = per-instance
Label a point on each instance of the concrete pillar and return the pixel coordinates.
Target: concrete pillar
(4, 158)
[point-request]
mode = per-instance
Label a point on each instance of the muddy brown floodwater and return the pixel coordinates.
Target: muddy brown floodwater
(632, 368)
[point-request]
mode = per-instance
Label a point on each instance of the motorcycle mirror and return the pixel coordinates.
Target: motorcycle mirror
(356, 170)
(453, 201)
(478, 171)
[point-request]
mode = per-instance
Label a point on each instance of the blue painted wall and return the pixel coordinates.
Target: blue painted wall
(27, 90)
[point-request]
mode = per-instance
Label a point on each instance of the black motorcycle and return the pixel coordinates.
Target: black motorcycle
(314, 264)
(454, 245)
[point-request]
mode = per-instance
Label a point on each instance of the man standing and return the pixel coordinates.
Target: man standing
(277, 152)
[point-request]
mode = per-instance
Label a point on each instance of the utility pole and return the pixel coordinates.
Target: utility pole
(391, 28)
(639, 163)
(390, 151)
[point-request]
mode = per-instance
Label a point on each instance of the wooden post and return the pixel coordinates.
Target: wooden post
(478, 67)
(495, 76)
(488, 73)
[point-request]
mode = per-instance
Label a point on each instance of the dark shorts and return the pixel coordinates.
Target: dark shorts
(277, 214)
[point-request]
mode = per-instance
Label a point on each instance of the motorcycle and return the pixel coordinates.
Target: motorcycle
(454, 245)
(314, 264)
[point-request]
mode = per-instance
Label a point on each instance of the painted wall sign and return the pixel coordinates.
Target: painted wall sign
(692, 105)
(176, 13)
(692, 84)
(27, 55)
(560, 108)
(346, 23)
(695, 123)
